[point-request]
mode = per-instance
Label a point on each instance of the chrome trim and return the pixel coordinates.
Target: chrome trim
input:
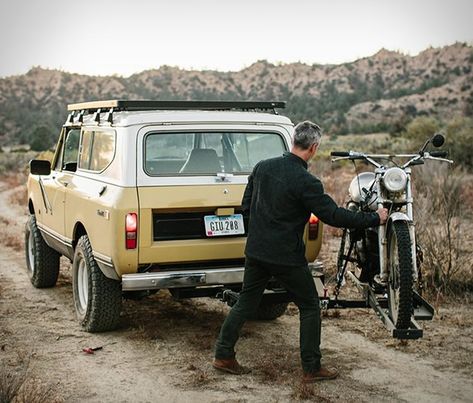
(56, 242)
(182, 278)
(103, 259)
(55, 235)
(105, 264)
(316, 267)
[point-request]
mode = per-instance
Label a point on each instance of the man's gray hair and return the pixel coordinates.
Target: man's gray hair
(307, 133)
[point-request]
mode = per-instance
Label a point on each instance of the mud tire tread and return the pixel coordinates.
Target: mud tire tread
(46, 259)
(105, 295)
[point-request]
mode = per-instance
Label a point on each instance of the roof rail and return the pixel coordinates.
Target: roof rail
(126, 105)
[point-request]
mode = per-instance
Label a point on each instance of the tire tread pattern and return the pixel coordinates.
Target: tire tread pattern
(46, 270)
(405, 275)
(105, 295)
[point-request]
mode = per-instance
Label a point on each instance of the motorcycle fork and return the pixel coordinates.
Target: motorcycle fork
(382, 241)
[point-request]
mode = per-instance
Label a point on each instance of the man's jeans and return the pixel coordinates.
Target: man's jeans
(299, 282)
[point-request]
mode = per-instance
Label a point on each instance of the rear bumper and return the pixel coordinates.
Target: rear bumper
(191, 278)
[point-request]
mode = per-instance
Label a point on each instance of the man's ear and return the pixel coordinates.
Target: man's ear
(313, 148)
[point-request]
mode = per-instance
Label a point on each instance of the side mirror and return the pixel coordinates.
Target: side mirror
(438, 140)
(40, 167)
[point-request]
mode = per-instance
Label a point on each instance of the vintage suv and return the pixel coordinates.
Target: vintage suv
(146, 195)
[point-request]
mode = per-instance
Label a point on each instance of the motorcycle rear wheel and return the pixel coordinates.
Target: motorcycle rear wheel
(400, 281)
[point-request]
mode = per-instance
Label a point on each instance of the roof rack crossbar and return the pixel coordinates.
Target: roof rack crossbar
(130, 105)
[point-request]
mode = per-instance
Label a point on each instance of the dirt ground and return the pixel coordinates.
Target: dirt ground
(162, 350)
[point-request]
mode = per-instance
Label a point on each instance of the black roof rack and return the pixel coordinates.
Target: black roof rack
(125, 105)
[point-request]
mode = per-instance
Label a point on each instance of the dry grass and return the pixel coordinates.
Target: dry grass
(443, 228)
(200, 378)
(302, 391)
(12, 241)
(5, 221)
(16, 162)
(19, 197)
(17, 385)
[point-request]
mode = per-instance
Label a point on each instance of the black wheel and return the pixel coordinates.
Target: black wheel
(344, 253)
(400, 275)
(97, 299)
(42, 262)
(271, 311)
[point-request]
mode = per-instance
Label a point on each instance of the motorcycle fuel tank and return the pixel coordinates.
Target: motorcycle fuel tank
(364, 180)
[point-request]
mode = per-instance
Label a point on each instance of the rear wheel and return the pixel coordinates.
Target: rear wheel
(348, 251)
(42, 261)
(400, 268)
(271, 311)
(97, 299)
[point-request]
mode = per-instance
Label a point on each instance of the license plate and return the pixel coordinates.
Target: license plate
(224, 225)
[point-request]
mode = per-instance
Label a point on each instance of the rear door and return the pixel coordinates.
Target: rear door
(190, 186)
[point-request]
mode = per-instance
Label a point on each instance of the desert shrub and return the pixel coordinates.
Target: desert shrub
(442, 221)
(420, 129)
(458, 132)
(15, 162)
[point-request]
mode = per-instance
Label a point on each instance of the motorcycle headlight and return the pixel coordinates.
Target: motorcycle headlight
(395, 179)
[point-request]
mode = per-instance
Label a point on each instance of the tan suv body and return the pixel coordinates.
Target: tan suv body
(145, 195)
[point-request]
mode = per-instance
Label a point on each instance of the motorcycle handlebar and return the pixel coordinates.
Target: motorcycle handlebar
(340, 154)
(439, 154)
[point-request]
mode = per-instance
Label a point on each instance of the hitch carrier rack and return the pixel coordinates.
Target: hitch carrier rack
(422, 309)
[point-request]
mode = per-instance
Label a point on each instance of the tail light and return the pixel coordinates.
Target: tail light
(313, 227)
(131, 230)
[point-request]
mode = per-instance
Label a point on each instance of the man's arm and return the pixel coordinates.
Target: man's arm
(323, 206)
(246, 201)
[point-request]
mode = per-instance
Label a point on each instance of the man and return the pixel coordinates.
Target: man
(279, 197)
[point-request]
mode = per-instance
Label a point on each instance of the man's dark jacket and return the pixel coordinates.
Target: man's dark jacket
(279, 198)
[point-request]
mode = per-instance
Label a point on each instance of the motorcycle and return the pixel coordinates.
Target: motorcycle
(387, 257)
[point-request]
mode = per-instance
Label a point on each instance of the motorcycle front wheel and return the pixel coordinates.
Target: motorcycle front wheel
(400, 268)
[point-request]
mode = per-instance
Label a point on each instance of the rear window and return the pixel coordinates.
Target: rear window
(208, 153)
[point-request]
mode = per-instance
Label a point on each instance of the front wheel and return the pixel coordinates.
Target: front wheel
(97, 299)
(400, 268)
(42, 261)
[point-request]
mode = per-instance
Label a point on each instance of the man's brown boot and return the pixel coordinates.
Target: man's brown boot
(321, 375)
(231, 366)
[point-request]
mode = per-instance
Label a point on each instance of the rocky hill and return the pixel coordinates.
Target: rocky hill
(381, 92)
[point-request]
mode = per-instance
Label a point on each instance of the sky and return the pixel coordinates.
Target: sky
(103, 37)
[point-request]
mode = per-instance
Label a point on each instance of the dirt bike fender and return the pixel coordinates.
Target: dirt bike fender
(397, 216)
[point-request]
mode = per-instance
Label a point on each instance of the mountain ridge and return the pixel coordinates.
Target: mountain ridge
(380, 92)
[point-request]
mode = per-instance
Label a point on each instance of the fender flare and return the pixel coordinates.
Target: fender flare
(104, 263)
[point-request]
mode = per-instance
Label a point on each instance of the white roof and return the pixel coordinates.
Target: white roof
(125, 118)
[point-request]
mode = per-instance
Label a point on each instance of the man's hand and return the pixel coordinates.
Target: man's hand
(383, 215)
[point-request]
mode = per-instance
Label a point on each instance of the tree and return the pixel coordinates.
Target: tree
(41, 139)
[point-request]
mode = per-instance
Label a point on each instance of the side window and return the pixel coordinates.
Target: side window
(71, 150)
(97, 150)
(85, 149)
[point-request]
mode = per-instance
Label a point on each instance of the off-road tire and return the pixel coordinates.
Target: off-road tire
(271, 311)
(399, 233)
(101, 310)
(42, 262)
